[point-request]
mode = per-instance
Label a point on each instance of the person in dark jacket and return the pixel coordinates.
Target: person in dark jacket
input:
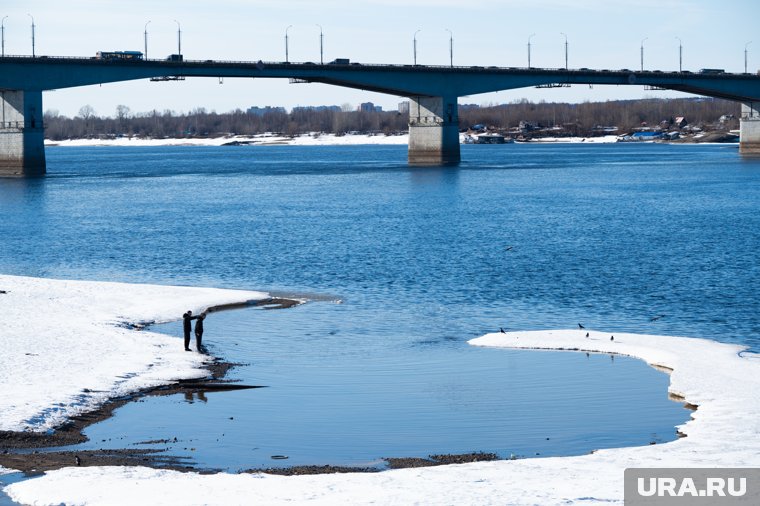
(199, 331)
(186, 326)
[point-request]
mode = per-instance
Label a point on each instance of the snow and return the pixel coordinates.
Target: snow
(602, 139)
(64, 354)
(720, 378)
(268, 139)
(312, 139)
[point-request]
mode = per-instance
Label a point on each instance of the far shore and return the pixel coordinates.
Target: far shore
(271, 139)
(351, 139)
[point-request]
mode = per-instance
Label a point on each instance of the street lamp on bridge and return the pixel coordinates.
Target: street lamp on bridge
(321, 45)
(451, 48)
(286, 42)
(745, 55)
(531, 36)
(2, 33)
(565, 49)
(642, 53)
(680, 54)
(179, 38)
(32, 34)
(415, 46)
(145, 34)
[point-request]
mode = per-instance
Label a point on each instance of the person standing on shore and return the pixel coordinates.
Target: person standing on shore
(199, 331)
(186, 326)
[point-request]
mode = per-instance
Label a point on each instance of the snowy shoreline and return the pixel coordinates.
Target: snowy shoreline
(312, 139)
(719, 378)
(54, 328)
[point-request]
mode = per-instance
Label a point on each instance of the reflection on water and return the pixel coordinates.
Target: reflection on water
(345, 389)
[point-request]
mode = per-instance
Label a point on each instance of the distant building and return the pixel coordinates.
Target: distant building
(403, 107)
(369, 107)
(681, 122)
(260, 111)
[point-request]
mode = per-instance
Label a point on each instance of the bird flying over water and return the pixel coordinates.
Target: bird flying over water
(508, 248)
(655, 318)
(581, 326)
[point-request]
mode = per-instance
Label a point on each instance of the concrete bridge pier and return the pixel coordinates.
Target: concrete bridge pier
(749, 137)
(433, 131)
(22, 136)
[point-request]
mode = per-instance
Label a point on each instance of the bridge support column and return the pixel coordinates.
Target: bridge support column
(22, 137)
(749, 139)
(433, 131)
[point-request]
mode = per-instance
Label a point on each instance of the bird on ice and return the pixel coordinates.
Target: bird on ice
(501, 330)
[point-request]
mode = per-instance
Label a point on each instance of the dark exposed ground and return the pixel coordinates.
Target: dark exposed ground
(20, 450)
(392, 462)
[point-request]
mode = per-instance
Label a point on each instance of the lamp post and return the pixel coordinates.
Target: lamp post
(680, 54)
(286, 43)
(642, 53)
(531, 36)
(451, 48)
(565, 49)
(179, 38)
(745, 55)
(145, 35)
(32, 34)
(321, 45)
(415, 46)
(2, 33)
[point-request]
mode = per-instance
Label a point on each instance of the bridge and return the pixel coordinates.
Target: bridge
(433, 92)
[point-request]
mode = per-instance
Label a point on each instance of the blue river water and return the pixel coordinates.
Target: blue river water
(402, 266)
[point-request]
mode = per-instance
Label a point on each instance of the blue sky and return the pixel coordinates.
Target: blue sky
(601, 34)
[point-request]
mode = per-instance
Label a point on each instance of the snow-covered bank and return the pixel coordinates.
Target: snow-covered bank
(724, 432)
(603, 139)
(63, 352)
(299, 140)
(254, 140)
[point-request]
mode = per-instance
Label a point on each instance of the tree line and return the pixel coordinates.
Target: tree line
(578, 119)
(202, 123)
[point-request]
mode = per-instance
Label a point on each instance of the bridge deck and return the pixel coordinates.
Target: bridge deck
(49, 72)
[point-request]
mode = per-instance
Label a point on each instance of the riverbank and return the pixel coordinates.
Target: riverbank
(313, 139)
(718, 378)
(267, 139)
(320, 139)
